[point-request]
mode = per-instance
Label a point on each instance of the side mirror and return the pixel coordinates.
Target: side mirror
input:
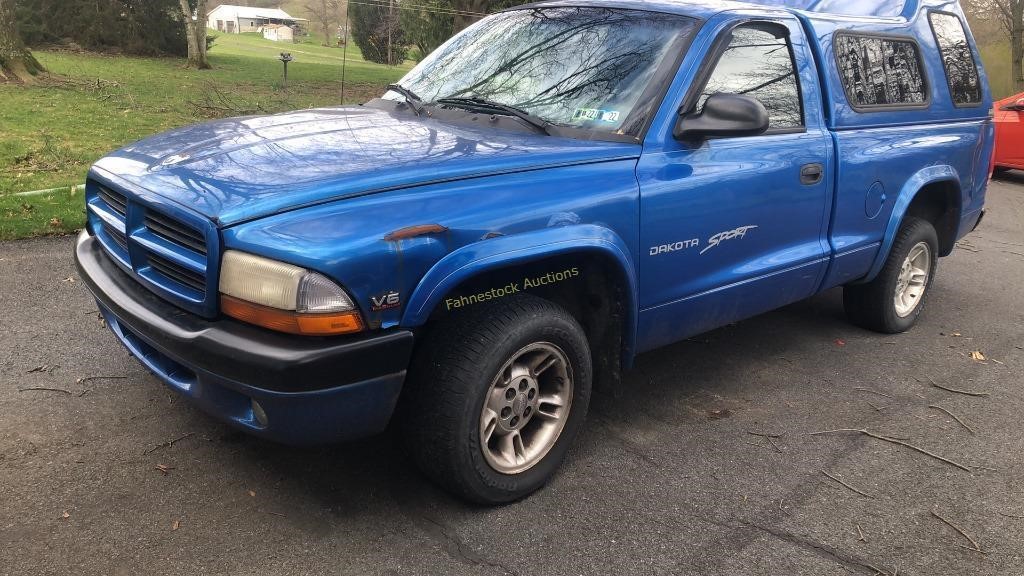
(1017, 106)
(724, 115)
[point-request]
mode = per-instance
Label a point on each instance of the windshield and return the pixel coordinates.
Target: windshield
(576, 67)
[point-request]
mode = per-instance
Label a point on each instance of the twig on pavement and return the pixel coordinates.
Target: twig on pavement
(883, 394)
(956, 391)
(896, 441)
(846, 485)
(88, 378)
(977, 547)
(40, 389)
(954, 416)
(168, 444)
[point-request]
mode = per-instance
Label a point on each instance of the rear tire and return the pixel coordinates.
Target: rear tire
(893, 301)
(496, 396)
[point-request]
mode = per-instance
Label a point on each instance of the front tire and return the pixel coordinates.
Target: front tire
(497, 395)
(893, 301)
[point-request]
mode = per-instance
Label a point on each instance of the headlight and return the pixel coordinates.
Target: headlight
(284, 297)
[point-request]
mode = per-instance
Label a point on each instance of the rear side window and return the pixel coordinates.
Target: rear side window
(961, 72)
(759, 62)
(880, 72)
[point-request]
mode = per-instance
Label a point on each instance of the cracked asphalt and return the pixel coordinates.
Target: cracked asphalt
(702, 463)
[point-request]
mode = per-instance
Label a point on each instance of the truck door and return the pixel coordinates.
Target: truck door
(732, 227)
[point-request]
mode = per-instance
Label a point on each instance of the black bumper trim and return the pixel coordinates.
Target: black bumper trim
(236, 351)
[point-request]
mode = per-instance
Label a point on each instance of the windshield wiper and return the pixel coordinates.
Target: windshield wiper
(414, 101)
(476, 102)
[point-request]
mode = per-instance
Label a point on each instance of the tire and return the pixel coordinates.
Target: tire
(876, 305)
(455, 381)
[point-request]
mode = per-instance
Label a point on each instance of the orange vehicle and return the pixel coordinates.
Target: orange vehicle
(1009, 116)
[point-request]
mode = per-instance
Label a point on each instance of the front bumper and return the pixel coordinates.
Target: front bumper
(311, 390)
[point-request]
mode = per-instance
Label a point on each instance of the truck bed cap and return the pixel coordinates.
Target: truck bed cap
(881, 9)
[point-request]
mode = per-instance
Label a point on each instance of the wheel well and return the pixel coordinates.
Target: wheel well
(939, 203)
(589, 285)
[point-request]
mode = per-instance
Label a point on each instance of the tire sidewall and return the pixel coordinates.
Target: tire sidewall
(568, 336)
(917, 231)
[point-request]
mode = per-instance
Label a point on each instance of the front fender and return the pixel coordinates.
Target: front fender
(491, 254)
(926, 176)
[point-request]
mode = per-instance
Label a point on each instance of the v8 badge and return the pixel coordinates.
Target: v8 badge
(385, 301)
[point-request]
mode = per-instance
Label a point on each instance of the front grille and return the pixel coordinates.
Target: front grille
(179, 274)
(168, 254)
(176, 232)
(117, 202)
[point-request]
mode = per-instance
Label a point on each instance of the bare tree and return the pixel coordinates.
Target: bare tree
(469, 11)
(195, 32)
(1012, 12)
(327, 13)
(16, 62)
(1010, 17)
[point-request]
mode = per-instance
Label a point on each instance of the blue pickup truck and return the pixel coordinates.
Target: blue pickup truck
(556, 189)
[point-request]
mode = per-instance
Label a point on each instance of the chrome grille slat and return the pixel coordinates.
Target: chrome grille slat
(118, 238)
(117, 202)
(177, 273)
(176, 232)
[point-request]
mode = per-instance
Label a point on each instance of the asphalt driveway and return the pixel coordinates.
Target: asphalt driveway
(704, 462)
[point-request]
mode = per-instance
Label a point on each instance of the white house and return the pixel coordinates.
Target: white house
(237, 19)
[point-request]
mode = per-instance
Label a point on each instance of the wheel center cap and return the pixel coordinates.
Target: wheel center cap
(519, 404)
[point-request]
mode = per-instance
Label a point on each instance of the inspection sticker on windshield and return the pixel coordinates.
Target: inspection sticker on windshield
(588, 114)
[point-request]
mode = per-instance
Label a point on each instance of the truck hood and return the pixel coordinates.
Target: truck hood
(239, 169)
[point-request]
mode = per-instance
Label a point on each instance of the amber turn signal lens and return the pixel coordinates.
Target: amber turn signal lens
(291, 322)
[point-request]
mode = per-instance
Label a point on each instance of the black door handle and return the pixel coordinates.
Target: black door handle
(811, 174)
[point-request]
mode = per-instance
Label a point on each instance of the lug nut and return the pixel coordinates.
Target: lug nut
(531, 394)
(523, 384)
(515, 421)
(527, 411)
(506, 412)
(510, 393)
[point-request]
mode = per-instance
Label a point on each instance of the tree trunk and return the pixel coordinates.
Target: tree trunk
(195, 33)
(469, 11)
(16, 62)
(1017, 43)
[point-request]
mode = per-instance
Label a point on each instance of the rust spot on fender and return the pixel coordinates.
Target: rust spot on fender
(414, 231)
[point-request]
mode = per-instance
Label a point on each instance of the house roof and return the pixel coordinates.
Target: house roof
(250, 12)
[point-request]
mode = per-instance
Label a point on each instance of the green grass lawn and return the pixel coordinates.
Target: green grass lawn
(52, 131)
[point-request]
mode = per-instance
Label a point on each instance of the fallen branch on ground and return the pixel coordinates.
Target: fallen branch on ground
(956, 391)
(39, 389)
(954, 416)
(764, 434)
(895, 441)
(977, 547)
(846, 485)
(168, 444)
(214, 102)
(883, 394)
(88, 378)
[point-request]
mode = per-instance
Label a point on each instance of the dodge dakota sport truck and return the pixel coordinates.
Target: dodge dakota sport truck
(556, 189)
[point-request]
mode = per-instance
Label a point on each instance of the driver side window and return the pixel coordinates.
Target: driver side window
(759, 62)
